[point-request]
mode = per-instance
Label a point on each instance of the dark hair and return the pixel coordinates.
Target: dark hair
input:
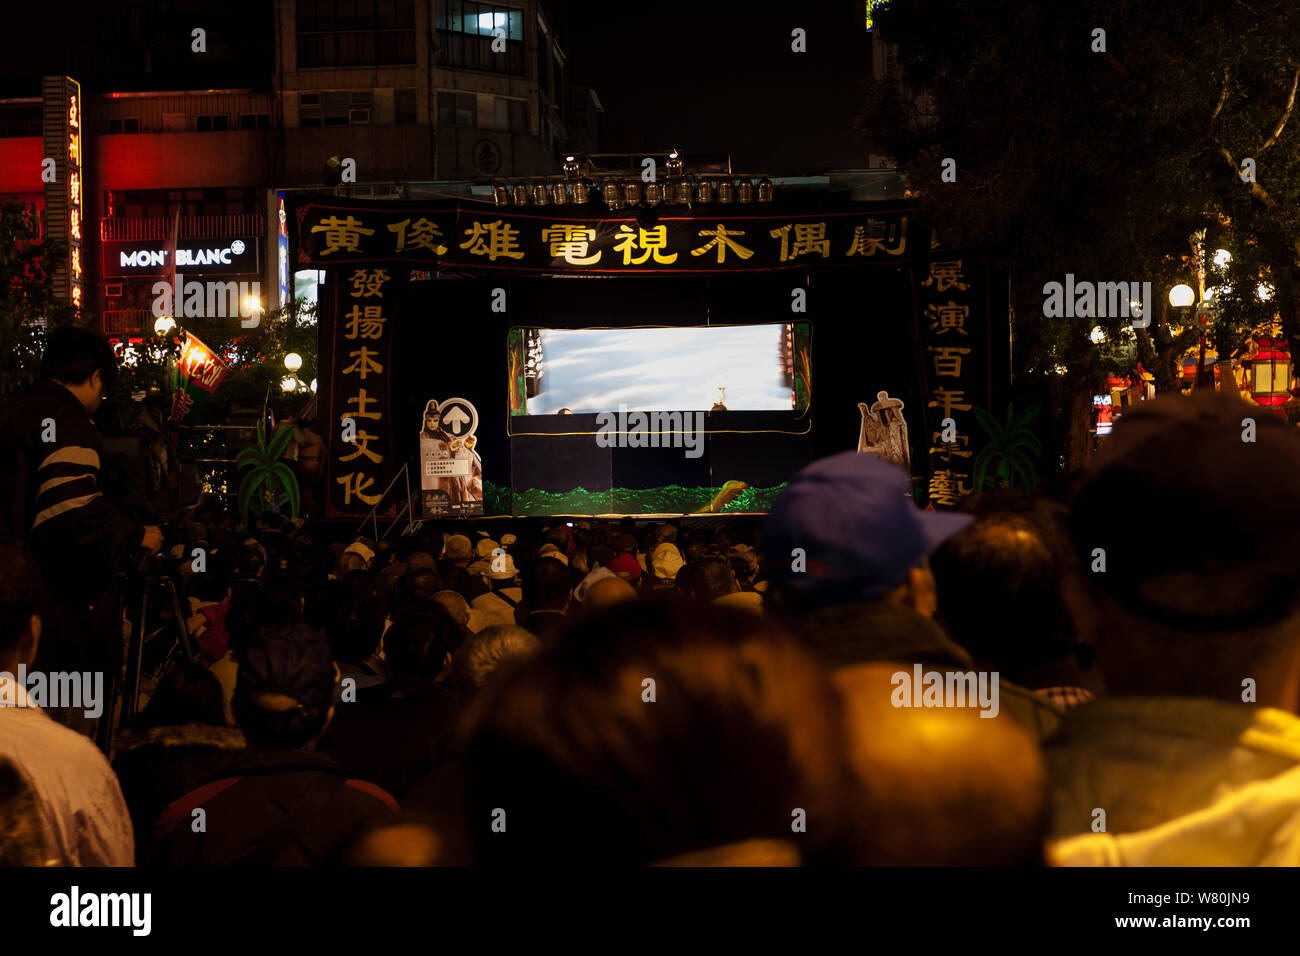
(264, 607)
(716, 578)
(20, 591)
(569, 731)
(418, 645)
(356, 620)
(998, 584)
(72, 355)
(482, 653)
(546, 584)
(186, 694)
(212, 583)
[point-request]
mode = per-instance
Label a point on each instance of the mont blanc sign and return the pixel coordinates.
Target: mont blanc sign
(151, 257)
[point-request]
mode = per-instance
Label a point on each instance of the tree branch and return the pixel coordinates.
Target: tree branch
(1286, 114)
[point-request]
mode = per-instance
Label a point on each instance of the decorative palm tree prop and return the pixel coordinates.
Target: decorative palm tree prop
(1003, 462)
(268, 476)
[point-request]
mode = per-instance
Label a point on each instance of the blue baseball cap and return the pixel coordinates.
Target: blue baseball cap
(858, 529)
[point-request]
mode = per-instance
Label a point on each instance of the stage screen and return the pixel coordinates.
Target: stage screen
(751, 368)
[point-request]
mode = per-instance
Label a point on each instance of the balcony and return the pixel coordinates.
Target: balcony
(191, 227)
(128, 322)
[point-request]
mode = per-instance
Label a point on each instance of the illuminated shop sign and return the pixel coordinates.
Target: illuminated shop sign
(125, 259)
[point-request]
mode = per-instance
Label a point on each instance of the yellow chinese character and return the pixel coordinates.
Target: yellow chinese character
(947, 449)
(356, 484)
(365, 323)
(502, 240)
(949, 399)
(947, 363)
(74, 223)
(948, 318)
(73, 119)
(424, 235)
(76, 263)
(362, 442)
(723, 243)
(367, 283)
(809, 238)
(362, 400)
(569, 242)
(876, 235)
(364, 364)
(74, 149)
(76, 295)
(651, 242)
(74, 189)
(946, 275)
(342, 234)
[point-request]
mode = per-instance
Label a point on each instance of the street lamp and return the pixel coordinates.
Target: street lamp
(293, 361)
(164, 324)
(1181, 296)
(1221, 258)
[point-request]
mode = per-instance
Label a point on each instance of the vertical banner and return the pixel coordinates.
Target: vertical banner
(362, 454)
(952, 302)
(199, 372)
(451, 472)
(64, 190)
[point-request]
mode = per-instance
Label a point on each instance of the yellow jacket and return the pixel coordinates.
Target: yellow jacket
(1183, 781)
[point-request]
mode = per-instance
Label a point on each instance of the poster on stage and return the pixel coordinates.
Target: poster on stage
(451, 472)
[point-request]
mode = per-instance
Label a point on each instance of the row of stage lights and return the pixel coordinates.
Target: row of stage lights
(677, 189)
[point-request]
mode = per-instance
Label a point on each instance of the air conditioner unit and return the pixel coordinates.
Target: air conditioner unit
(358, 116)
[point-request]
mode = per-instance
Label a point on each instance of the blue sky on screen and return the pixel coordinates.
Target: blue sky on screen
(672, 369)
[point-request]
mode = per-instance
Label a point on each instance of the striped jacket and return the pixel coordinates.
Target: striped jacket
(49, 492)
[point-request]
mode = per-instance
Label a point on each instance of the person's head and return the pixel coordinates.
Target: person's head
(844, 531)
(455, 605)
(275, 606)
(458, 550)
(405, 843)
(716, 579)
(251, 562)
(187, 693)
(1000, 584)
(284, 688)
(605, 727)
(484, 652)
(626, 544)
(82, 361)
(502, 572)
(421, 645)
(608, 592)
(417, 590)
(357, 619)
(20, 596)
(666, 561)
(363, 549)
(432, 419)
(940, 786)
(546, 585)
(1210, 595)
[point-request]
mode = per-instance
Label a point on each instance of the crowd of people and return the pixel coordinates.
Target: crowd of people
(719, 691)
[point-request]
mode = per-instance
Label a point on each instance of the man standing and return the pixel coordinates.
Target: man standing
(49, 496)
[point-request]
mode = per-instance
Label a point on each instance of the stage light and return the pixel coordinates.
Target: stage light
(580, 192)
(164, 324)
(539, 195)
(1181, 296)
(745, 190)
(289, 383)
(704, 191)
(632, 192)
(654, 194)
(674, 165)
(613, 194)
(682, 192)
(521, 194)
(571, 168)
(559, 194)
(726, 191)
(765, 190)
(501, 193)
(293, 361)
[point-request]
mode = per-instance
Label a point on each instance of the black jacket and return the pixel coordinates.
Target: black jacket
(275, 808)
(50, 494)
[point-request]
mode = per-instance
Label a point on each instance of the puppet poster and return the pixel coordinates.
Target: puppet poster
(451, 472)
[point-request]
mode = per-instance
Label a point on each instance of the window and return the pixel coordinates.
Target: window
(457, 109)
(355, 32)
(209, 124)
(404, 106)
(335, 108)
(510, 115)
(129, 124)
(254, 120)
(465, 36)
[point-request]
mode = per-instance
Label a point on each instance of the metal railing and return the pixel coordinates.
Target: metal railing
(191, 227)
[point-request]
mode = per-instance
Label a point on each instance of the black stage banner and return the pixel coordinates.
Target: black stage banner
(717, 239)
(956, 355)
(362, 454)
